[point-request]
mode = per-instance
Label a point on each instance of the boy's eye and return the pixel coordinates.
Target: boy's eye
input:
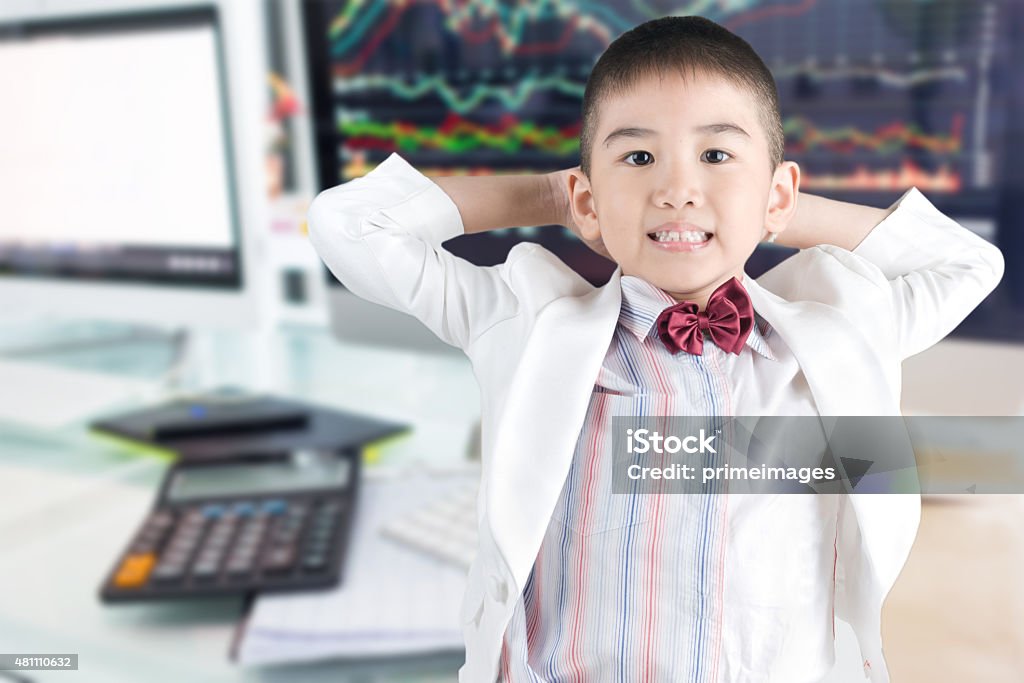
(638, 158)
(716, 152)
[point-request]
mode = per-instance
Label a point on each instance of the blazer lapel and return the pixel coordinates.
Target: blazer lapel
(834, 358)
(546, 407)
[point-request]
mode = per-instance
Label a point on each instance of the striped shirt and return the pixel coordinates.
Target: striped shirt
(697, 588)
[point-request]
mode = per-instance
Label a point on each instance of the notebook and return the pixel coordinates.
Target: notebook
(395, 600)
(314, 427)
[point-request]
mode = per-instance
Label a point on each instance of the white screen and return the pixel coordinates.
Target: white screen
(113, 140)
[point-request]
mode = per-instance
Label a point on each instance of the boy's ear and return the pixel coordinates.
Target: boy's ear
(782, 197)
(581, 205)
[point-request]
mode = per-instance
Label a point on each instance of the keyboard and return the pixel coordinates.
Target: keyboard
(444, 529)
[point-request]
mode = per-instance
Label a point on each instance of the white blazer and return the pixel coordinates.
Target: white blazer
(536, 334)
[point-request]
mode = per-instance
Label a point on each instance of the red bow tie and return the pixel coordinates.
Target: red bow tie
(727, 319)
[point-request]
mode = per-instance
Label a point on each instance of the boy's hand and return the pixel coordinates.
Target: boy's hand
(559, 193)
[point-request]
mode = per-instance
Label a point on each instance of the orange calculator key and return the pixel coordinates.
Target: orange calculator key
(134, 570)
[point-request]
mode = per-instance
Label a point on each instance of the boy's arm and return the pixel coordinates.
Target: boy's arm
(819, 220)
(490, 202)
(938, 271)
(381, 236)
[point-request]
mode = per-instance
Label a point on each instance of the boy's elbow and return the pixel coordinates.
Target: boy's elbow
(319, 218)
(995, 262)
(330, 219)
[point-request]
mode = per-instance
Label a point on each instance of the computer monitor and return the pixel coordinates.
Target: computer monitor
(874, 99)
(131, 167)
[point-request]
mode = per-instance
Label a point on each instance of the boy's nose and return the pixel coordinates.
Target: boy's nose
(677, 187)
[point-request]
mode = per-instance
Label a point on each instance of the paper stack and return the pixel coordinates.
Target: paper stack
(393, 601)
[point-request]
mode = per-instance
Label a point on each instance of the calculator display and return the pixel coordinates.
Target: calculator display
(301, 472)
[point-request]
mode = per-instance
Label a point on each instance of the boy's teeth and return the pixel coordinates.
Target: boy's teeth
(688, 236)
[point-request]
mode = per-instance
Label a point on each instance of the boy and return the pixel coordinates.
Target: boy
(681, 175)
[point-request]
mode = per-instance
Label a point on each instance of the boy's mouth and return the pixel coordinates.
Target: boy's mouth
(678, 232)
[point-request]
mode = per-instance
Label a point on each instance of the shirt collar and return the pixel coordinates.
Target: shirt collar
(642, 303)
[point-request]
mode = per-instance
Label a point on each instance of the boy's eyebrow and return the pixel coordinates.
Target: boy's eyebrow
(628, 132)
(716, 128)
(708, 129)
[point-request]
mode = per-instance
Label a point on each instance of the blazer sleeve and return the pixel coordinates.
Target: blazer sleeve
(938, 271)
(381, 236)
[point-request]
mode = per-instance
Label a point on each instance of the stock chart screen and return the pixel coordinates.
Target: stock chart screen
(876, 96)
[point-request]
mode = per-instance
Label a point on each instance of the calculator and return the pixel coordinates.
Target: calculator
(267, 523)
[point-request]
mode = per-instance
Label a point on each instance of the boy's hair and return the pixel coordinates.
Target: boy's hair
(681, 44)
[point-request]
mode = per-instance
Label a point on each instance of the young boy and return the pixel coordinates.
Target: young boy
(681, 176)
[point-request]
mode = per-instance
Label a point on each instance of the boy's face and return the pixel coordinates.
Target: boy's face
(685, 156)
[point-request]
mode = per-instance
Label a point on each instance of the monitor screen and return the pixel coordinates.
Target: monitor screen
(116, 155)
(875, 98)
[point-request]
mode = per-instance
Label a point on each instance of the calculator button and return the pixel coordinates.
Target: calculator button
(134, 570)
(213, 546)
(204, 570)
(224, 526)
(245, 548)
(247, 541)
(210, 552)
(184, 540)
(228, 518)
(220, 535)
(187, 534)
(182, 543)
(254, 526)
(142, 548)
(244, 509)
(323, 523)
(274, 507)
(213, 511)
(216, 541)
(326, 524)
(160, 523)
(168, 572)
(175, 556)
(240, 565)
(279, 559)
(161, 518)
(315, 558)
(193, 516)
(319, 537)
(317, 543)
(314, 562)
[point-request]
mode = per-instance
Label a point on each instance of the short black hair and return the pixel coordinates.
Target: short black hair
(681, 44)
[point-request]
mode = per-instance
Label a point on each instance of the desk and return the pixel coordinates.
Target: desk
(956, 612)
(69, 502)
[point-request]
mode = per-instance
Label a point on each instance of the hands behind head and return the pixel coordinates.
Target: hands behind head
(559, 192)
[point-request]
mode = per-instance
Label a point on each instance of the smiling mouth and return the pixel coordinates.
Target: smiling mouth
(683, 236)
